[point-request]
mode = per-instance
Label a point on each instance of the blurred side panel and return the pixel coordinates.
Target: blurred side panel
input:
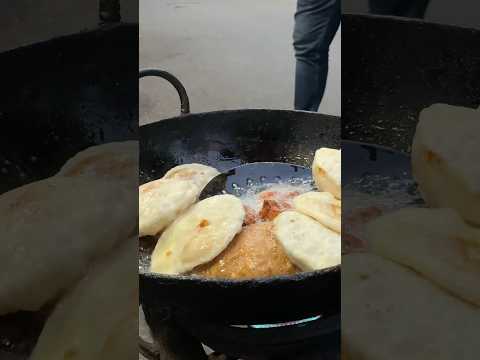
(68, 179)
(410, 236)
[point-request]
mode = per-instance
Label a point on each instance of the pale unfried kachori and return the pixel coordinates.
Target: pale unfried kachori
(308, 244)
(52, 230)
(326, 169)
(116, 161)
(391, 312)
(198, 173)
(445, 155)
(199, 235)
(436, 243)
(162, 201)
(107, 295)
(253, 253)
(321, 206)
(252, 236)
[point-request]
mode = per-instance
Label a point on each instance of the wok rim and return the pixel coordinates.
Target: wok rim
(236, 111)
(379, 147)
(405, 20)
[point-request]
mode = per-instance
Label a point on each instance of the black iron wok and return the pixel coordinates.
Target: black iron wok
(56, 99)
(225, 139)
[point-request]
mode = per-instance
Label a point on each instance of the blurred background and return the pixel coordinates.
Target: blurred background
(25, 22)
(228, 54)
(459, 12)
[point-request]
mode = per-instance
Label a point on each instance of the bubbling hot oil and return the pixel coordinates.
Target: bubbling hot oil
(250, 195)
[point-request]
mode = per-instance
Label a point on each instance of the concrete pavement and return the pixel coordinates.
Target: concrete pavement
(229, 54)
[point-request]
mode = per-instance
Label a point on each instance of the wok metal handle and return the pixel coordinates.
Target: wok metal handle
(184, 102)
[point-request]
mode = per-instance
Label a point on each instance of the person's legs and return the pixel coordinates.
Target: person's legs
(316, 22)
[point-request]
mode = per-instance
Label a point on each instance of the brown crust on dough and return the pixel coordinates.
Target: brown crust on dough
(253, 253)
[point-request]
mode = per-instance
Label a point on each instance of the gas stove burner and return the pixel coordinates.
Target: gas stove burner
(314, 335)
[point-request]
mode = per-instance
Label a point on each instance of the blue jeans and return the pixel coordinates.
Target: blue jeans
(316, 22)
